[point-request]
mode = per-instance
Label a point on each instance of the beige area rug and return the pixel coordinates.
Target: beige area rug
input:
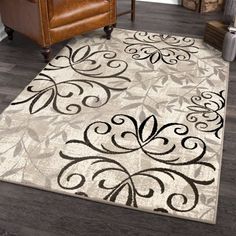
(136, 121)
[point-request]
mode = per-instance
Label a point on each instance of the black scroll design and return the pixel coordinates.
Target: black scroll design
(205, 112)
(85, 61)
(93, 87)
(114, 141)
(158, 47)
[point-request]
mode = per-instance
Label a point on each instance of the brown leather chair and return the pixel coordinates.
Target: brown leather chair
(51, 21)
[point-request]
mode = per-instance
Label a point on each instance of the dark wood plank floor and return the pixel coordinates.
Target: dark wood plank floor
(30, 212)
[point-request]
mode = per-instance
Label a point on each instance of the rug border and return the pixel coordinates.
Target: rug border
(165, 32)
(213, 222)
(222, 146)
(101, 201)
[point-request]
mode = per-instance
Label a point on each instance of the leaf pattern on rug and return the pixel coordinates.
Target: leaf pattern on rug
(159, 47)
(107, 146)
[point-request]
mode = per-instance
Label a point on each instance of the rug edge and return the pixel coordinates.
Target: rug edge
(222, 145)
(101, 201)
(164, 32)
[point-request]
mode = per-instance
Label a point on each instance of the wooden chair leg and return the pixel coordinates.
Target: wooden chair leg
(108, 30)
(133, 9)
(46, 52)
(9, 32)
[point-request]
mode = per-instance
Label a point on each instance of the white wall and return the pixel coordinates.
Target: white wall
(176, 2)
(2, 32)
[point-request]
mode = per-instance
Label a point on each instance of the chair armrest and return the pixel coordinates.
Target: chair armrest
(25, 17)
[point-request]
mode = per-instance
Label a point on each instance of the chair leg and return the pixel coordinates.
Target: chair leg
(108, 30)
(9, 32)
(46, 51)
(133, 6)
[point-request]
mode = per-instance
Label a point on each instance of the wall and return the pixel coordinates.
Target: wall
(176, 2)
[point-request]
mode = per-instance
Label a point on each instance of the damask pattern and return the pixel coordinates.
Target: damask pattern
(84, 62)
(205, 112)
(143, 137)
(158, 47)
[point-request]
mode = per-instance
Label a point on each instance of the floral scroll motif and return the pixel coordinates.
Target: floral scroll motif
(114, 143)
(205, 112)
(158, 47)
(96, 69)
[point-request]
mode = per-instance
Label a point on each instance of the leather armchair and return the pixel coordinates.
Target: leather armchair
(51, 21)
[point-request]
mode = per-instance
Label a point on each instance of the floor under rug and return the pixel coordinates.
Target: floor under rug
(137, 121)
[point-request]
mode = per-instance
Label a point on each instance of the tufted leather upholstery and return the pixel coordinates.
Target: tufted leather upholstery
(50, 21)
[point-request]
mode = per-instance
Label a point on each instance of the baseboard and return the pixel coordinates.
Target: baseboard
(175, 2)
(2, 33)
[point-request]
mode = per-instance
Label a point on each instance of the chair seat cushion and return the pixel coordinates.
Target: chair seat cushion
(62, 12)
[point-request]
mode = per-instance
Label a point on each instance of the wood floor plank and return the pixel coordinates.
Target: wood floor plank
(31, 212)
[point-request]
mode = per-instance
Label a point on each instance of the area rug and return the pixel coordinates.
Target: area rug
(137, 121)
